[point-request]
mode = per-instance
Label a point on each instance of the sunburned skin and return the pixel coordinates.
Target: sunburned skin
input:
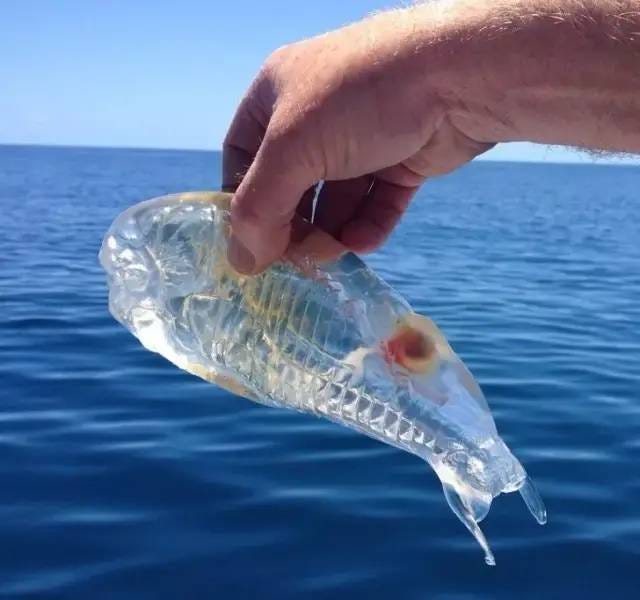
(318, 332)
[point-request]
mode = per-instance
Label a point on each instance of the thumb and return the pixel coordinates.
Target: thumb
(264, 205)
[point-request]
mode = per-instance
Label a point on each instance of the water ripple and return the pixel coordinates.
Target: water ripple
(123, 477)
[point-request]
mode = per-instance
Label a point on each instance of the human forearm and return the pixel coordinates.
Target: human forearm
(378, 108)
(550, 71)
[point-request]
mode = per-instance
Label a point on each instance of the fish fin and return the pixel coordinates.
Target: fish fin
(533, 501)
(459, 507)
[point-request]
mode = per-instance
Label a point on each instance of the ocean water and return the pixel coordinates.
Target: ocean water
(122, 477)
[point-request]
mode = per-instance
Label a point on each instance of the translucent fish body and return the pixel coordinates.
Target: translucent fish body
(333, 340)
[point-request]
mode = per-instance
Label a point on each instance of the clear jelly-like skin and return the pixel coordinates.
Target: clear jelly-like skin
(319, 339)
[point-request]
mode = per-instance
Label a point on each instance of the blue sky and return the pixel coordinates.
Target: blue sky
(143, 73)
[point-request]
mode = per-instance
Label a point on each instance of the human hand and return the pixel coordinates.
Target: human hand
(377, 108)
(354, 108)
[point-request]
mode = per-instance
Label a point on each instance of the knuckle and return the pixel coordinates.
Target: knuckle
(293, 120)
(274, 62)
(245, 215)
(229, 142)
(280, 53)
(283, 130)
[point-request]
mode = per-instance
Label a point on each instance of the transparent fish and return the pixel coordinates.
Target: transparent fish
(331, 339)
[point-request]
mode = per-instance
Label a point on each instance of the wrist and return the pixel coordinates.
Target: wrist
(457, 66)
(536, 70)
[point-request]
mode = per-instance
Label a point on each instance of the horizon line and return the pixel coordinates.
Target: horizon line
(619, 160)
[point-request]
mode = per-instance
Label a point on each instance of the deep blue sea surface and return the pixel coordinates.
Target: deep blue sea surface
(122, 477)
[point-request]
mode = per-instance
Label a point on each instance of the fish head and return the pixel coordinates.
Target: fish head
(169, 242)
(462, 443)
(158, 254)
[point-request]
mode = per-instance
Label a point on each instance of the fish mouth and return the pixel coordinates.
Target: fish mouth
(134, 277)
(128, 267)
(127, 255)
(470, 486)
(144, 254)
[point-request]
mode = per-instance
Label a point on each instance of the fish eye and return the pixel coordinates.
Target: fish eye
(411, 348)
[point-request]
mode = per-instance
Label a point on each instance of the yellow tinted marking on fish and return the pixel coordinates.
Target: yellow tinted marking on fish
(221, 200)
(224, 381)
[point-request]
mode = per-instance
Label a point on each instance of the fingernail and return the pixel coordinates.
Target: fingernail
(240, 258)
